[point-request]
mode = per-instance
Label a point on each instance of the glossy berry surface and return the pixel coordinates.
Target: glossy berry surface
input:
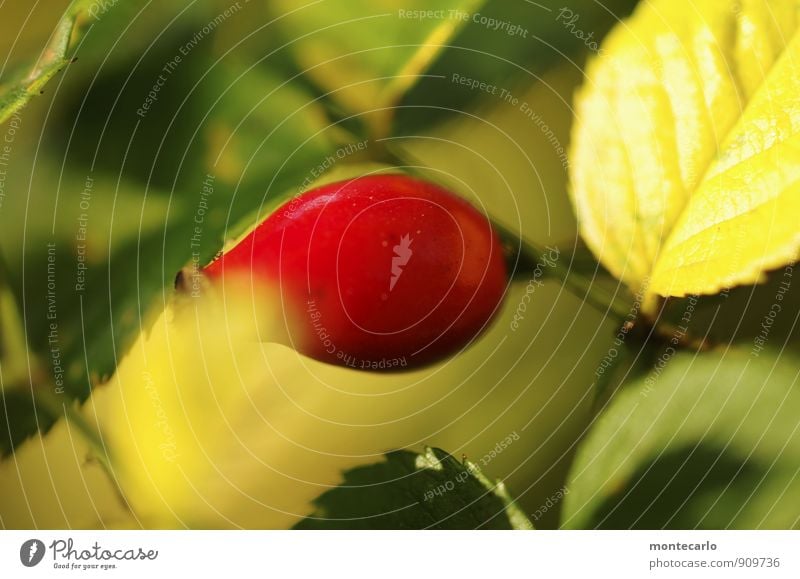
(377, 272)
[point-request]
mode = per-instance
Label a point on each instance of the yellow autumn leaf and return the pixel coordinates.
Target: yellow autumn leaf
(211, 427)
(56, 481)
(743, 219)
(682, 163)
(202, 429)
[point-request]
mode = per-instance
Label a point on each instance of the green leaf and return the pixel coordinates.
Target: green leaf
(431, 490)
(266, 136)
(506, 45)
(368, 54)
(259, 142)
(18, 418)
(707, 441)
(15, 95)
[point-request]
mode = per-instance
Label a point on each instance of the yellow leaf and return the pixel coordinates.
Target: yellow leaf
(212, 428)
(676, 178)
(56, 481)
(743, 219)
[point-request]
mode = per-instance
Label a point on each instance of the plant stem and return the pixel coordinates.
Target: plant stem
(524, 256)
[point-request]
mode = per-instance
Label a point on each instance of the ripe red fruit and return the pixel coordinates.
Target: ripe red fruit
(378, 272)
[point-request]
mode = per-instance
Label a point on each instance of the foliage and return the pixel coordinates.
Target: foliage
(709, 443)
(684, 146)
(162, 131)
(431, 490)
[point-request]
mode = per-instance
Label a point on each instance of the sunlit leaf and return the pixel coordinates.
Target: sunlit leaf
(212, 428)
(742, 219)
(57, 481)
(682, 160)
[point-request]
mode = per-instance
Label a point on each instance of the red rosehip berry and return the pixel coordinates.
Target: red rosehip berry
(377, 272)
